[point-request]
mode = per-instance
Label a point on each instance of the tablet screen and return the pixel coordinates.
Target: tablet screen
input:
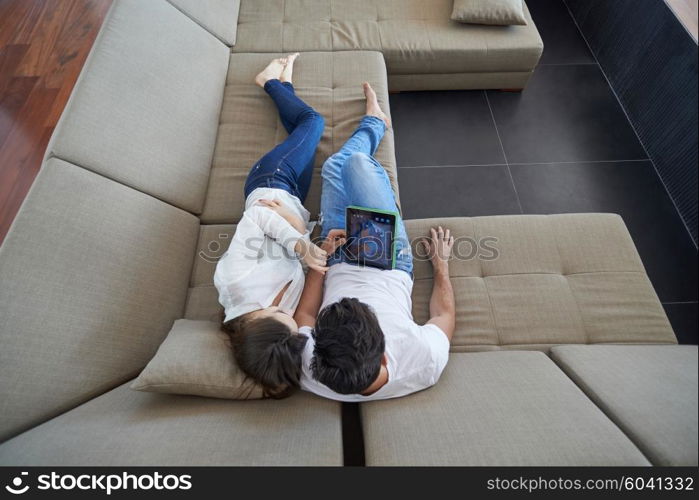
(370, 237)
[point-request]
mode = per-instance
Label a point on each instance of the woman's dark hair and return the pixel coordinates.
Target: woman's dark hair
(268, 352)
(349, 347)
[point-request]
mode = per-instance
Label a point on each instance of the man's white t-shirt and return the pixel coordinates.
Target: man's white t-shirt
(416, 354)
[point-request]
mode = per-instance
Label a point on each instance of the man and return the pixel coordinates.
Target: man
(364, 344)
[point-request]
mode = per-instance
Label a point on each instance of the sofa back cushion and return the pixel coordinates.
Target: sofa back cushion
(93, 275)
(145, 109)
(416, 37)
(218, 17)
(495, 409)
(649, 391)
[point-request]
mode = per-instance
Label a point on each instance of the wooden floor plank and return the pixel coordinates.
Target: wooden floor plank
(20, 21)
(43, 46)
(23, 139)
(12, 100)
(23, 183)
(71, 50)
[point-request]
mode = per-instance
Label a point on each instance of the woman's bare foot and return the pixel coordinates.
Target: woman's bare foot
(272, 71)
(372, 105)
(288, 68)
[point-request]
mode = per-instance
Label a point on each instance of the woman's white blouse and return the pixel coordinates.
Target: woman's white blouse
(261, 259)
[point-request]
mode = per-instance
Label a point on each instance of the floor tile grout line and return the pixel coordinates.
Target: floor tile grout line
(497, 131)
(504, 155)
(569, 64)
(516, 164)
(641, 160)
(616, 96)
(456, 166)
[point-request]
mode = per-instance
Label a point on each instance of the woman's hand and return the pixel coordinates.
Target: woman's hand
(315, 257)
(284, 212)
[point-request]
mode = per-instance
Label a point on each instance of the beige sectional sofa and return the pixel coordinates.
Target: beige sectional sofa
(141, 189)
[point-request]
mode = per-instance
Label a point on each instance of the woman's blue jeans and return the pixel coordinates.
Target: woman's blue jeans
(352, 176)
(289, 166)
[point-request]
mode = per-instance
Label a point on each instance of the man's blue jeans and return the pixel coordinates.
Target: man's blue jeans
(352, 176)
(289, 166)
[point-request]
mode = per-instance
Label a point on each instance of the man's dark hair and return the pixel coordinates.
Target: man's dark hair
(268, 352)
(349, 346)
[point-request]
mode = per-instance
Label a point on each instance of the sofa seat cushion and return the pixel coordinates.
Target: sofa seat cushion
(202, 297)
(93, 275)
(145, 109)
(648, 391)
(495, 409)
(250, 127)
(532, 281)
(415, 36)
(218, 17)
(130, 428)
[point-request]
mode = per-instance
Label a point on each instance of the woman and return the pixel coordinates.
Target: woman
(260, 278)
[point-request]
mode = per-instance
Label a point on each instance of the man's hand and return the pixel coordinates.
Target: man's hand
(316, 256)
(334, 240)
(442, 304)
(438, 247)
(283, 211)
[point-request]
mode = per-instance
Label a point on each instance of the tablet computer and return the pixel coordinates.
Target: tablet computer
(370, 237)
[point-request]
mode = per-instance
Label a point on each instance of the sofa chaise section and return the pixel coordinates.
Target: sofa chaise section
(555, 279)
(146, 107)
(249, 126)
(533, 281)
(495, 409)
(649, 391)
(93, 275)
(129, 428)
(424, 49)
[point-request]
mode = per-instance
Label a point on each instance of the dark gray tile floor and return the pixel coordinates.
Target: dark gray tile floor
(684, 317)
(563, 145)
(445, 128)
(454, 191)
(566, 113)
(562, 43)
